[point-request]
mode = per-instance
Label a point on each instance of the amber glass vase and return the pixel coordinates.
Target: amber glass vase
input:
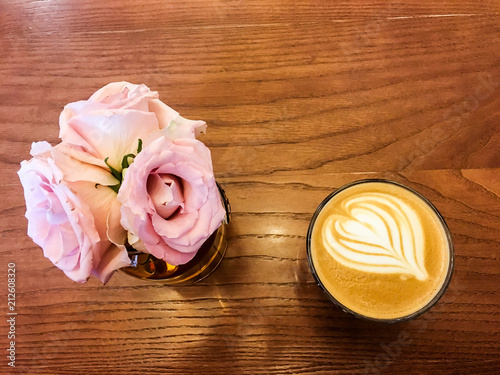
(147, 267)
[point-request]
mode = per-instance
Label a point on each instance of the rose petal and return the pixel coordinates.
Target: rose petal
(77, 170)
(112, 258)
(58, 221)
(38, 148)
(173, 125)
(163, 112)
(124, 95)
(116, 233)
(99, 199)
(112, 134)
(174, 238)
(166, 194)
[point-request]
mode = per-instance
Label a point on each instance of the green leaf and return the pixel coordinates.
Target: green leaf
(114, 172)
(115, 188)
(125, 163)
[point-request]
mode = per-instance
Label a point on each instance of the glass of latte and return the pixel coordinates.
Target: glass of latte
(380, 250)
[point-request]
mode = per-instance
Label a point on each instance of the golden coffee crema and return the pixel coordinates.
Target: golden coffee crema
(380, 250)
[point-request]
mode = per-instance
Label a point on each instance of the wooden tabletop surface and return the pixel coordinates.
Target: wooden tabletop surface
(300, 98)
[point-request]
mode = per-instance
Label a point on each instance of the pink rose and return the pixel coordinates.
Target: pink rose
(110, 123)
(67, 214)
(170, 201)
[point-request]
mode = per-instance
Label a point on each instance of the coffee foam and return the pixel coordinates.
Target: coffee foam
(377, 232)
(380, 250)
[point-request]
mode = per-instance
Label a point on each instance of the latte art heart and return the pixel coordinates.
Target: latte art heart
(377, 233)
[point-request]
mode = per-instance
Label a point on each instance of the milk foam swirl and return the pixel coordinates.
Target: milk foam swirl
(378, 233)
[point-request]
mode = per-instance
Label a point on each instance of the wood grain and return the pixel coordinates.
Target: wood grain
(300, 97)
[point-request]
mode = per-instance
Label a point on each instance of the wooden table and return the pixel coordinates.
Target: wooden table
(300, 97)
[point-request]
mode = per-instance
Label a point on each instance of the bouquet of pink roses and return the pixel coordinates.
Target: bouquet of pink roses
(129, 172)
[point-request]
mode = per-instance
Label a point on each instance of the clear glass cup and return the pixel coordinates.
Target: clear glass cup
(147, 267)
(424, 308)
